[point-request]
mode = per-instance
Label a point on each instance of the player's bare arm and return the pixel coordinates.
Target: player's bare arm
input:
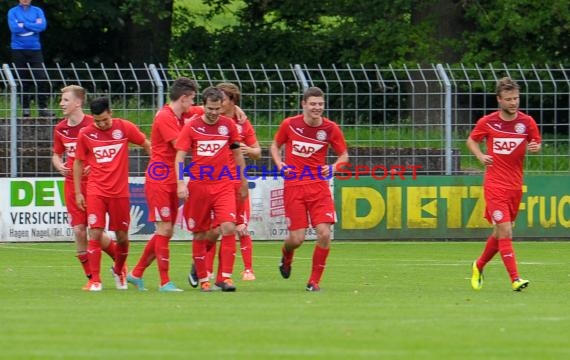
(146, 146)
(181, 189)
(240, 114)
(534, 146)
(59, 165)
(475, 149)
(276, 155)
(342, 159)
(253, 152)
(77, 174)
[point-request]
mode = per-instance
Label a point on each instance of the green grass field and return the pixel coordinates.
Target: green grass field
(389, 300)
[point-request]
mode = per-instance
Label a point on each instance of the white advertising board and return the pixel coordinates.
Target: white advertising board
(33, 209)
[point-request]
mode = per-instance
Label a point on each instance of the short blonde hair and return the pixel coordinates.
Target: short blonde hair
(77, 91)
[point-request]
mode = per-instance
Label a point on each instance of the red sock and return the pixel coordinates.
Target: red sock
(94, 258)
(199, 257)
(246, 247)
(287, 255)
(84, 260)
(162, 257)
(210, 256)
(508, 256)
(319, 262)
(111, 249)
(227, 257)
(491, 248)
(121, 256)
(146, 258)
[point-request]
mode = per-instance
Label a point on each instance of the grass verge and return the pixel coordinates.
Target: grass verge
(396, 300)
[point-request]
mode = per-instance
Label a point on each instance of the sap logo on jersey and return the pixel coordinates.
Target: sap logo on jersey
(104, 154)
(506, 146)
(305, 149)
(210, 147)
(70, 148)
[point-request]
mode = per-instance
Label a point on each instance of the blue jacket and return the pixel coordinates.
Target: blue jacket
(26, 26)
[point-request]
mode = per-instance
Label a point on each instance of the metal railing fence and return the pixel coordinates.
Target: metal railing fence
(390, 116)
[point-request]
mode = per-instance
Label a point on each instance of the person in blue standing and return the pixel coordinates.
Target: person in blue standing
(26, 22)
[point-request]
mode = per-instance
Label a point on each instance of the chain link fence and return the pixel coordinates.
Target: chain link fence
(391, 116)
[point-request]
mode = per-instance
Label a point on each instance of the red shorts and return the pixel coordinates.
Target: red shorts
(75, 214)
(209, 204)
(118, 209)
(243, 209)
(502, 205)
(312, 202)
(162, 202)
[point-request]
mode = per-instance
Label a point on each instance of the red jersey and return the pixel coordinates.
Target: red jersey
(165, 128)
(306, 148)
(246, 136)
(506, 142)
(65, 139)
(193, 110)
(246, 132)
(107, 151)
(196, 110)
(209, 146)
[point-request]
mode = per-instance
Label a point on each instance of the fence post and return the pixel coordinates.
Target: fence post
(159, 85)
(448, 149)
(301, 76)
(13, 121)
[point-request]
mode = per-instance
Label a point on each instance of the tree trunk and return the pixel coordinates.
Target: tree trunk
(448, 19)
(148, 43)
(449, 24)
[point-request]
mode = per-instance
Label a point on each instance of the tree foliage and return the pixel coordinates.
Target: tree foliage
(324, 32)
(109, 31)
(382, 32)
(524, 31)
